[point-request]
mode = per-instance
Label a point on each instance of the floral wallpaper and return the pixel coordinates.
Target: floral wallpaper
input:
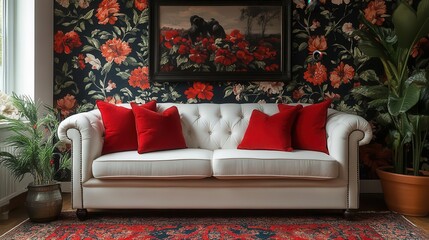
(101, 52)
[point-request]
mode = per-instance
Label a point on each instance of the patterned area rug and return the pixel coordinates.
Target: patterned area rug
(116, 226)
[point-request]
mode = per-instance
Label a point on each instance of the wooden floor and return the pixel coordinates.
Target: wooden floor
(368, 202)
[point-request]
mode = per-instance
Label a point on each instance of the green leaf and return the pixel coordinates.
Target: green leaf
(418, 78)
(302, 46)
(106, 68)
(423, 18)
(117, 30)
(384, 119)
(368, 75)
(88, 15)
(411, 96)
(409, 25)
(405, 20)
(378, 103)
(123, 75)
(372, 92)
(180, 60)
(88, 48)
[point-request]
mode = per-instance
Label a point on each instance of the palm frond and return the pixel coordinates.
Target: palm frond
(34, 141)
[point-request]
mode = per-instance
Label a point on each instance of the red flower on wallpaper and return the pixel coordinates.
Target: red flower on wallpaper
(140, 4)
(115, 50)
(139, 78)
(315, 74)
(66, 105)
(375, 12)
(200, 90)
(225, 57)
(420, 47)
(197, 56)
(66, 42)
(81, 61)
(298, 93)
(343, 73)
(113, 100)
(373, 156)
(317, 43)
(107, 12)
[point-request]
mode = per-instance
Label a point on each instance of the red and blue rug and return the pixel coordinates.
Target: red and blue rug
(103, 226)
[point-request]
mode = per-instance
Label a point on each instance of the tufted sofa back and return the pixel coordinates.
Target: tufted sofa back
(216, 126)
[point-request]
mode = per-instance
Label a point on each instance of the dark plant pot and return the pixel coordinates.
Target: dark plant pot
(405, 194)
(44, 202)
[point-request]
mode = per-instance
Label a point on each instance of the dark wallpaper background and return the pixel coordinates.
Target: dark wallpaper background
(101, 52)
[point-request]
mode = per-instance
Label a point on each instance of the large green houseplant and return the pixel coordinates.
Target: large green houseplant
(402, 100)
(33, 138)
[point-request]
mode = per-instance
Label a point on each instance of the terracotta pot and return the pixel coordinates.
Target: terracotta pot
(405, 194)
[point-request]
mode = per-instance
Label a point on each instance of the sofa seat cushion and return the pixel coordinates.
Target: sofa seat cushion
(249, 164)
(169, 164)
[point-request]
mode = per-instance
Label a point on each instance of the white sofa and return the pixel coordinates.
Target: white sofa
(212, 173)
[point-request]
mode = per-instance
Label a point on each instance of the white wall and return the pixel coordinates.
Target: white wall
(33, 63)
(44, 51)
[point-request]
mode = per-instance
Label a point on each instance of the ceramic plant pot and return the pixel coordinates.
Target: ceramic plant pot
(44, 202)
(405, 194)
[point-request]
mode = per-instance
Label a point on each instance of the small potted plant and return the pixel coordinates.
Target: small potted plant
(34, 142)
(402, 102)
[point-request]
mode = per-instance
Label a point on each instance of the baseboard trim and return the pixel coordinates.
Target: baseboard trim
(370, 186)
(66, 187)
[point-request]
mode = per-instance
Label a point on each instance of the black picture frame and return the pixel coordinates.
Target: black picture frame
(166, 64)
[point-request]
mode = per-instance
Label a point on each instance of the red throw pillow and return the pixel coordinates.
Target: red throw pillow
(120, 128)
(158, 131)
(309, 130)
(270, 132)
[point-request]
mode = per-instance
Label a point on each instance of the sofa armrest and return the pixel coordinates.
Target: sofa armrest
(346, 132)
(85, 133)
(342, 125)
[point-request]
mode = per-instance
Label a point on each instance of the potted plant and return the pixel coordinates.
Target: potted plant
(34, 142)
(402, 103)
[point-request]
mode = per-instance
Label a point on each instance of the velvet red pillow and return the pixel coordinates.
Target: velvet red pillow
(266, 132)
(158, 131)
(120, 129)
(309, 130)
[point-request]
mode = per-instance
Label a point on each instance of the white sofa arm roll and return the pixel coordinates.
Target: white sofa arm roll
(346, 132)
(341, 125)
(85, 132)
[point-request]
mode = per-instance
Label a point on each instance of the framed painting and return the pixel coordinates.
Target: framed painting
(205, 40)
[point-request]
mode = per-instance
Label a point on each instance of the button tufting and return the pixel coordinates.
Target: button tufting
(210, 132)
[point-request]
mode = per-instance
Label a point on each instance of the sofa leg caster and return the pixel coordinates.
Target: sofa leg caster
(349, 214)
(82, 214)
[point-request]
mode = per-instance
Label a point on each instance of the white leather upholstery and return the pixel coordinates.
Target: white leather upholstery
(213, 127)
(216, 126)
(248, 164)
(170, 164)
